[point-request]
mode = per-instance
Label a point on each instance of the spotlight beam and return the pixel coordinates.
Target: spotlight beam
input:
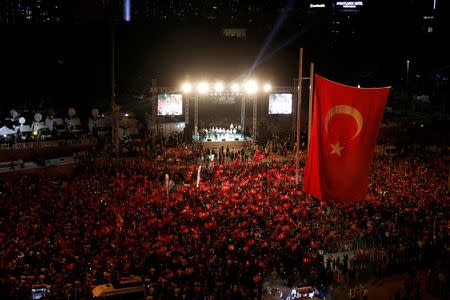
(275, 29)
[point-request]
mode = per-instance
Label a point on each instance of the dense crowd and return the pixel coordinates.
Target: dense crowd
(245, 225)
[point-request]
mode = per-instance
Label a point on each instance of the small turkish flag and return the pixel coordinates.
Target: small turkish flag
(345, 126)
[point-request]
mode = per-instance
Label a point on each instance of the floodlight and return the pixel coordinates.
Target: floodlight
(219, 87)
(267, 87)
(186, 87)
(251, 87)
(203, 87)
(235, 88)
(126, 115)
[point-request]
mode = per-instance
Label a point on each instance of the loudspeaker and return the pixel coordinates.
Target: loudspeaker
(209, 140)
(236, 139)
(223, 140)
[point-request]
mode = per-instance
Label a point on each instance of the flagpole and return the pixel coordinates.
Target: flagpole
(311, 94)
(299, 103)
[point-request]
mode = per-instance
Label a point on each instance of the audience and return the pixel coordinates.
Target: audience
(246, 224)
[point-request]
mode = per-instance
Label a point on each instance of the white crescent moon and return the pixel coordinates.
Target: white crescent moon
(346, 110)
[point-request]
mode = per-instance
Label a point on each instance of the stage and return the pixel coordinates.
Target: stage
(232, 141)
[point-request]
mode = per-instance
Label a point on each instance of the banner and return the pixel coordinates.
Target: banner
(345, 126)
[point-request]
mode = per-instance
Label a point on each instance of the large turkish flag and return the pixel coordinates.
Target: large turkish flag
(345, 126)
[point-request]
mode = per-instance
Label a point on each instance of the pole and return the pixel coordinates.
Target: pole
(154, 111)
(294, 106)
(196, 116)
(255, 113)
(243, 113)
(186, 106)
(407, 86)
(310, 106)
(299, 103)
(114, 108)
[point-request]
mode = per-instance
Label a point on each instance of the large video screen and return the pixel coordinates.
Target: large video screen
(280, 104)
(170, 104)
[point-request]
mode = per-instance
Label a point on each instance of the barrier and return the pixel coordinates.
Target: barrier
(47, 144)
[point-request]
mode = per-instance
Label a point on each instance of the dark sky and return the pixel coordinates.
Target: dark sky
(71, 61)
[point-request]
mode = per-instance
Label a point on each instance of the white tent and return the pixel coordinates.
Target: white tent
(6, 131)
(25, 128)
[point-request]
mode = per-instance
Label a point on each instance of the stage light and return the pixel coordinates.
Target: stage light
(267, 87)
(251, 87)
(235, 88)
(186, 87)
(219, 87)
(203, 87)
(126, 115)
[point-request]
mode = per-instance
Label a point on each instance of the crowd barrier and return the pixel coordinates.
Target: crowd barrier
(47, 144)
(366, 242)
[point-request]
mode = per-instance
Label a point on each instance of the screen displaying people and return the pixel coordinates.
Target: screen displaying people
(170, 104)
(280, 104)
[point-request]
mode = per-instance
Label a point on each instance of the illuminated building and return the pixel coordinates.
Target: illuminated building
(31, 11)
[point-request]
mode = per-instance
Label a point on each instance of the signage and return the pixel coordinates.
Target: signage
(349, 4)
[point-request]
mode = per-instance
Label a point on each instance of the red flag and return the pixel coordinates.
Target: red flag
(344, 131)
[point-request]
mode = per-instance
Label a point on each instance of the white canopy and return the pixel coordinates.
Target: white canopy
(5, 131)
(25, 128)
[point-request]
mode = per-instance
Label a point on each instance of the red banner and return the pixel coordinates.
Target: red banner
(345, 126)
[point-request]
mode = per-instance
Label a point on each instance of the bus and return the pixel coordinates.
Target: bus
(131, 287)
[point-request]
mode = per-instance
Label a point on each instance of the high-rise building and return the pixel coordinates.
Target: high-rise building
(31, 11)
(7, 12)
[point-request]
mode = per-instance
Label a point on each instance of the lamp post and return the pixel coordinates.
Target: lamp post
(407, 84)
(299, 101)
(196, 116)
(243, 113)
(114, 107)
(255, 115)
(407, 72)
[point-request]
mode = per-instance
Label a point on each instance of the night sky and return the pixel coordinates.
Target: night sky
(70, 61)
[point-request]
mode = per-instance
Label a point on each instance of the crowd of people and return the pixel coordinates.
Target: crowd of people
(246, 224)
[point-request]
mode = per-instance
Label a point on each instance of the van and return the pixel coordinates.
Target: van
(131, 287)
